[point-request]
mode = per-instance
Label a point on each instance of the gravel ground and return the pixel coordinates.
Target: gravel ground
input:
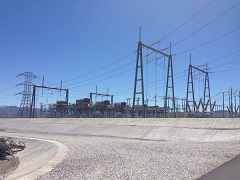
(115, 158)
(8, 165)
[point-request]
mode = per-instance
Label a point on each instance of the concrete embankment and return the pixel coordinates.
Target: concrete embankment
(193, 129)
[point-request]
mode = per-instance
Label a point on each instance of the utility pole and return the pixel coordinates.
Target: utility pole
(139, 67)
(223, 104)
(128, 101)
(170, 85)
(235, 103)
(190, 89)
(239, 102)
(146, 108)
(231, 105)
(207, 89)
(155, 107)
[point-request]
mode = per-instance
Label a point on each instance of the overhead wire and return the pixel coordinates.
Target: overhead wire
(196, 47)
(187, 21)
(153, 83)
(130, 89)
(135, 51)
(104, 78)
(224, 57)
(7, 81)
(215, 19)
(129, 55)
(100, 75)
(109, 77)
(227, 70)
(225, 64)
(197, 13)
(8, 89)
(103, 67)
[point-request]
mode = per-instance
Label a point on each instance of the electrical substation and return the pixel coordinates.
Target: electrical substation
(86, 95)
(173, 107)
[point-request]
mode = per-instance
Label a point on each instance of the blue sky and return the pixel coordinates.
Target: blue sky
(91, 43)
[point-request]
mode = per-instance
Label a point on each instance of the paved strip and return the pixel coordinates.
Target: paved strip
(228, 170)
(39, 157)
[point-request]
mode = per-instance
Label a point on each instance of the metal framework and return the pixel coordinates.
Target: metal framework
(191, 105)
(170, 86)
(99, 94)
(169, 83)
(61, 104)
(139, 67)
(24, 109)
(83, 108)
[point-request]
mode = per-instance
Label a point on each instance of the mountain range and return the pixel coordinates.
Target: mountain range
(8, 111)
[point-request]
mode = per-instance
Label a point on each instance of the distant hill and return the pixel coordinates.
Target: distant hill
(8, 111)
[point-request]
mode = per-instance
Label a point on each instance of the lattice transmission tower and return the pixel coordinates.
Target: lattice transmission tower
(24, 109)
(139, 110)
(191, 104)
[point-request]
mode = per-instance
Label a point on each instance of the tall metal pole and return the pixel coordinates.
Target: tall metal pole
(32, 110)
(140, 33)
(239, 102)
(207, 89)
(139, 65)
(136, 76)
(155, 107)
(91, 97)
(235, 103)
(231, 105)
(223, 104)
(170, 76)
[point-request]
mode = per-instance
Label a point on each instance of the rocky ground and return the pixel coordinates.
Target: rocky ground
(7, 165)
(93, 157)
(115, 158)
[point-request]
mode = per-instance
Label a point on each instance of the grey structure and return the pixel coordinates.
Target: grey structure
(24, 110)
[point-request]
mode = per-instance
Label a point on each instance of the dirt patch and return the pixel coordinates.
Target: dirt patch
(7, 166)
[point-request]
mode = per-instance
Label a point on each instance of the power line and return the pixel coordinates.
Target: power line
(218, 59)
(225, 64)
(152, 87)
(8, 89)
(131, 89)
(179, 27)
(235, 5)
(9, 100)
(227, 70)
(4, 97)
(111, 77)
(216, 95)
(223, 57)
(162, 39)
(100, 68)
(134, 52)
(209, 41)
(101, 74)
(105, 78)
(8, 81)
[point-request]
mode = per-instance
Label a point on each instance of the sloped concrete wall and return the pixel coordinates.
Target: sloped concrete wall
(193, 129)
